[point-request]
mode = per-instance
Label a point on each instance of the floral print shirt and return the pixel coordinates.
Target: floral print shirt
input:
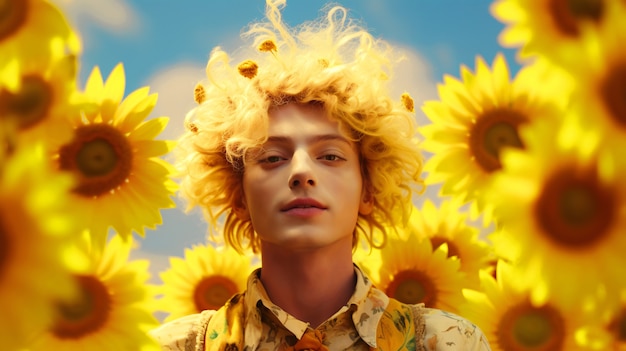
(352, 328)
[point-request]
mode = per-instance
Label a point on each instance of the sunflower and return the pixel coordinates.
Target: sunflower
(601, 71)
(115, 158)
(32, 31)
(616, 325)
(412, 272)
(204, 280)
(38, 109)
(561, 205)
(114, 306)
(549, 28)
(448, 225)
(35, 232)
(505, 313)
(473, 121)
(366, 258)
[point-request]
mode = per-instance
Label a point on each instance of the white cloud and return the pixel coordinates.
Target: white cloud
(414, 75)
(114, 15)
(175, 85)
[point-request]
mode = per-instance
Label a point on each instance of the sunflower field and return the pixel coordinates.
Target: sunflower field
(536, 159)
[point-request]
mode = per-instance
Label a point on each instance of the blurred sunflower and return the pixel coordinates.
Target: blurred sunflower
(38, 109)
(412, 272)
(474, 120)
(616, 325)
(510, 321)
(605, 326)
(446, 224)
(203, 280)
(31, 31)
(35, 232)
(114, 306)
(116, 161)
(561, 205)
(549, 28)
(367, 259)
(601, 71)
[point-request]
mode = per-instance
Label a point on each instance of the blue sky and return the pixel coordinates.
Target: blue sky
(165, 44)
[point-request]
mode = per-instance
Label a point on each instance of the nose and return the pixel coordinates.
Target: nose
(302, 172)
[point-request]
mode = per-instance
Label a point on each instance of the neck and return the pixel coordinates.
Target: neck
(309, 285)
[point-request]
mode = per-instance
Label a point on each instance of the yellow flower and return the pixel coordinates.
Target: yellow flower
(601, 71)
(267, 45)
(248, 69)
(31, 31)
(510, 321)
(113, 309)
(35, 232)
(122, 182)
(560, 204)
(615, 324)
(605, 327)
(474, 120)
(552, 28)
(204, 280)
(38, 109)
(448, 225)
(367, 258)
(412, 272)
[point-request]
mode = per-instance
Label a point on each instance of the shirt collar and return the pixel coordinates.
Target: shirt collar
(369, 304)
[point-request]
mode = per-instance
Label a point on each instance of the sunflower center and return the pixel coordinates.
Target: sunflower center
(30, 104)
(493, 131)
(412, 287)
(437, 241)
(85, 314)
(212, 292)
(618, 327)
(574, 209)
(567, 14)
(524, 327)
(613, 91)
(12, 17)
(101, 156)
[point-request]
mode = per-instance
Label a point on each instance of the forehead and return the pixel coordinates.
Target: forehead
(297, 119)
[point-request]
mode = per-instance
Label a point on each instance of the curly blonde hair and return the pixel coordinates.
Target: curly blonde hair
(333, 62)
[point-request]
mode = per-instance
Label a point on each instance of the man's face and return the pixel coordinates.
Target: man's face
(303, 188)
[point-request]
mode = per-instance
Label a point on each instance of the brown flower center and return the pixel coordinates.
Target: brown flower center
(524, 328)
(412, 286)
(617, 327)
(567, 14)
(101, 156)
(492, 131)
(213, 291)
(85, 314)
(437, 241)
(613, 94)
(574, 209)
(12, 17)
(31, 104)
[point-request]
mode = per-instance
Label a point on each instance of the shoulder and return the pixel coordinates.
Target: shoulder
(182, 334)
(448, 331)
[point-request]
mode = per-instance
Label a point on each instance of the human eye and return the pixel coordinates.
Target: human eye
(331, 157)
(271, 159)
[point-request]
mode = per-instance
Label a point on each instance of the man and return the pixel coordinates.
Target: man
(303, 153)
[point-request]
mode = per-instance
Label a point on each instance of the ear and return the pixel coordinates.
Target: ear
(366, 206)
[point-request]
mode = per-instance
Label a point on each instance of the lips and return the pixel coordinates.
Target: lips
(302, 203)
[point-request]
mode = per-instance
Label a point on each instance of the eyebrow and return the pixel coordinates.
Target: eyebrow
(313, 139)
